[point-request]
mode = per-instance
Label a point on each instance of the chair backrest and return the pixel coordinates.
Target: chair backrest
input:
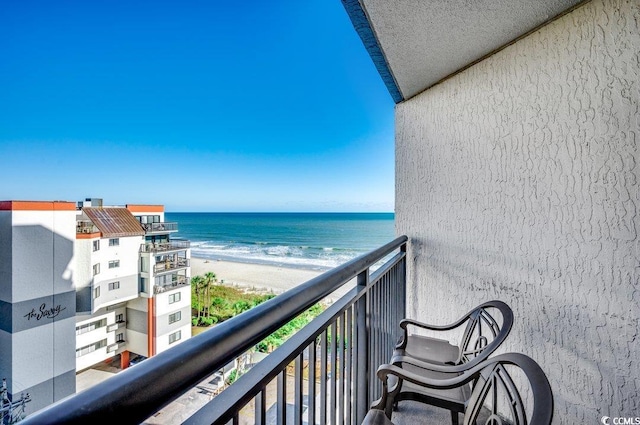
(483, 332)
(496, 391)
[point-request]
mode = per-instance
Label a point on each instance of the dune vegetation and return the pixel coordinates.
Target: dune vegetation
(213, 303)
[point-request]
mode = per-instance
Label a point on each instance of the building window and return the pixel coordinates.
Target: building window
(96, 269)
(96, 292)
(114, 264)
(120, 318)
(114, 285)
(175, 337)
(116, 306)
(174, 298)
(120, 337)
(91, 348)
(175, 317)
(91, 326)
(148, 219)
(96, 245)
(114, 242)
(144, 264)
(144, 285)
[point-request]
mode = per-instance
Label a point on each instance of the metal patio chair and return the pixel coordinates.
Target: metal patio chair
(496, 396)
(482, 335)
(438, 359)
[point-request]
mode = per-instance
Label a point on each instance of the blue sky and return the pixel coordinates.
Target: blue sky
(198, 105)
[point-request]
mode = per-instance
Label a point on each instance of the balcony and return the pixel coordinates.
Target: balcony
(164, 246)
(340, 350)
(170, 265)
(176, 282)
(86, 227)
(159, 228)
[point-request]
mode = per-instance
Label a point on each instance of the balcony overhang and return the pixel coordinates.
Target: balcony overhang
(417, 43)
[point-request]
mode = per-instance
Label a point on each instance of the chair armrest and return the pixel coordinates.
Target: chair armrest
(444, 384)
(385, 402)
(405, 323)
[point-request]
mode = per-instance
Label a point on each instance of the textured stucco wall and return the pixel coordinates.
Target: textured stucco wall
(518, 179)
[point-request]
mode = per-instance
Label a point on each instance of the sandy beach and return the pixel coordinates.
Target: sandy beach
(259, 276)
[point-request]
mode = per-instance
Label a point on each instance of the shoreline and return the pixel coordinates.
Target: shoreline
(261, 277)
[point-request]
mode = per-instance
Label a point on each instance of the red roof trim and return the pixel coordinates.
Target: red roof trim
(37, 206)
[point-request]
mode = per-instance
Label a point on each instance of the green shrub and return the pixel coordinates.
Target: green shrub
(241, 306)
(233, 375)
(277, 338)
(225, 302)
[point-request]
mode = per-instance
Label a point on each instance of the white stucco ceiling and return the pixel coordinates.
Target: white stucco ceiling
(425, 41)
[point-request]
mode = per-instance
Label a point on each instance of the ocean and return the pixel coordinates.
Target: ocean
(316, 241)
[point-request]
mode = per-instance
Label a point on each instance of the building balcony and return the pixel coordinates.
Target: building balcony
(325, 373)
(171, 265)
(159, 228)
(177, 281)
(164, 246)
(86, 227)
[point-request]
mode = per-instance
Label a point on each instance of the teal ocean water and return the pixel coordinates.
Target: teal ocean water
(318, 241)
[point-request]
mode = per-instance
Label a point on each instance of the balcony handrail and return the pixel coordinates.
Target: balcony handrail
(222, 409)
(176, 280)
(171, 265)
(164, 246)
(159, 288)
(160, 227)
(135, 394)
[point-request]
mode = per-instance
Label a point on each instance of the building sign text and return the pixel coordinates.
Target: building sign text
(44, 312)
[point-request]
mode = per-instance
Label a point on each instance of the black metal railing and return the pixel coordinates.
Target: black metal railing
(343, 346)
(164, 246)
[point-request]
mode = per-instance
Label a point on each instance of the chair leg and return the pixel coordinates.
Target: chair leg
(392, 402)
(454, 418)
(388, 409)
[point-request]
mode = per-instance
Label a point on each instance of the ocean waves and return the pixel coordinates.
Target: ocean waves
(316, 241)
(313, 258)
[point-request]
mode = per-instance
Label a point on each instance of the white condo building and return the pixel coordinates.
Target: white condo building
(83, 284)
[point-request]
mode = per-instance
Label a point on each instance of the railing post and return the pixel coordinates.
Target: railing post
(403, 281)
(363, 367)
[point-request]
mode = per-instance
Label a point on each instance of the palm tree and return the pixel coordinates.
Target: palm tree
(196, 282)
(209, 280)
